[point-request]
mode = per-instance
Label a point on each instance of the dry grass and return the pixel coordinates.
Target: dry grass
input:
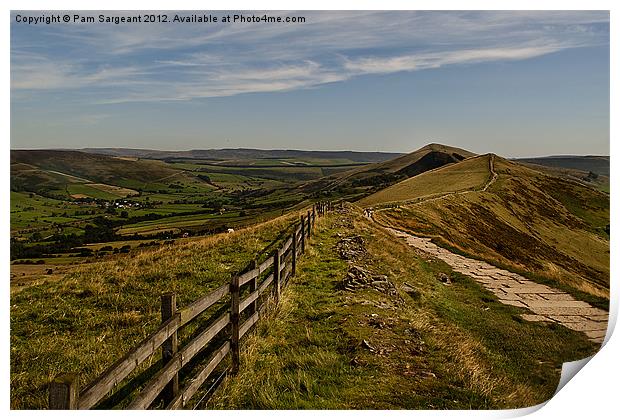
(469, 174)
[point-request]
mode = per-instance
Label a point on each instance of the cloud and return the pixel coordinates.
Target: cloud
(380, 65)
(177, 62)
(37, 72)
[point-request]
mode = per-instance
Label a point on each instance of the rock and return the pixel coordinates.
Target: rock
(410, 290)
(406, 288)
(351, 248)
(382, 283)
(359, 277)
(443, 277)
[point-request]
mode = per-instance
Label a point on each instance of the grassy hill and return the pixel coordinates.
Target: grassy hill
(469, 174)
(373, 177)
(86, 167)
(526, 220)
(587, 178)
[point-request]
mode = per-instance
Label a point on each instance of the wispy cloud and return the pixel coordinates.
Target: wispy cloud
(422, 61)
(39, 72)
(144, 63)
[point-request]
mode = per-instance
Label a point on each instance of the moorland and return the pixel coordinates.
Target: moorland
(97, 234)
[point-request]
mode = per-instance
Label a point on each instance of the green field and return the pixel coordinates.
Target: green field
(175, 223)
(31, 211)
(88, 191)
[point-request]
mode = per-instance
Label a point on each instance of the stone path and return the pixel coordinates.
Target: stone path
(545, 303)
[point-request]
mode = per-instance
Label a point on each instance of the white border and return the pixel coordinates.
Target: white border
(592, 394)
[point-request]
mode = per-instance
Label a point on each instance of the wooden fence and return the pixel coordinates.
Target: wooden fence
(242, 292)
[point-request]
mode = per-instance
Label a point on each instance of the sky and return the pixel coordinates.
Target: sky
(513, 83)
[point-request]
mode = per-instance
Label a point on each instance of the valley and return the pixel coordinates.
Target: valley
(64, 201)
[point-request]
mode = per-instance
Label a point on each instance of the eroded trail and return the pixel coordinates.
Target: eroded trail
(546, 304)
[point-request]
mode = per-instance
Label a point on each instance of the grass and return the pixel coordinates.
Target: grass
(97, 168)
(469, 174)
(439, 347)
(84, 190)
(112, 189)
(91, 317)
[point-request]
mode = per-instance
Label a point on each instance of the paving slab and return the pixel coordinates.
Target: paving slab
(535, 318)
(568, 318)
(556, 304)
(586, 326)
(516, 303)
(557, 296)
(543, 310)
(530, 296)
(507, 296)
(598, 317)
(596, 333)
(532, 288)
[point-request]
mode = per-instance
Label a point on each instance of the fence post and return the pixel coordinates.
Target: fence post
(294, 251)
(303, 236)
(276, 272)
(63, 392)
(170, 347)
(308, 224)
(313, 215)
(234, 322)
(253, 285)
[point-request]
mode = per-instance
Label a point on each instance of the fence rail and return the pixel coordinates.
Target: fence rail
(244, 291)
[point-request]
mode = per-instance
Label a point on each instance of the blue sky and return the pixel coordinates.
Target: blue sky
(513, 83)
